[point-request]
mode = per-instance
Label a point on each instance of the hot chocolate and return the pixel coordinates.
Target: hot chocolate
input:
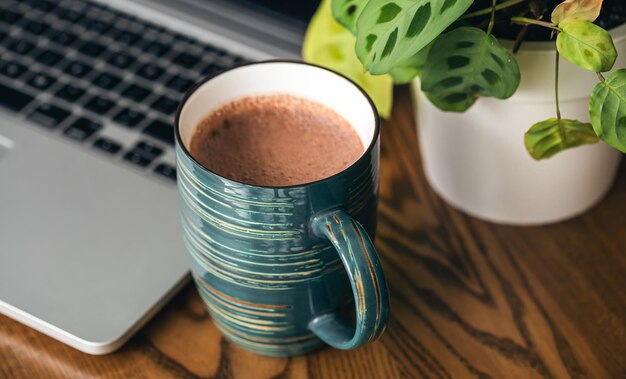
(275, 140)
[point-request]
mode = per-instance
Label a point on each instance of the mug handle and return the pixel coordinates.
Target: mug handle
(369, 287)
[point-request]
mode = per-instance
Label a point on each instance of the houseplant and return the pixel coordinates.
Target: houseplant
(476, 160)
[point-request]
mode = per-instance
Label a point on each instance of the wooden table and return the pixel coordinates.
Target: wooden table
(469, 299)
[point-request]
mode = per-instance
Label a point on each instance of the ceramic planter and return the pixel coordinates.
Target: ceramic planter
(477, 161)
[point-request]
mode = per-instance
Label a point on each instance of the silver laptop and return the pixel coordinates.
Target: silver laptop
(89, 235)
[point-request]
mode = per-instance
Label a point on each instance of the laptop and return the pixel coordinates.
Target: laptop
(90, 244)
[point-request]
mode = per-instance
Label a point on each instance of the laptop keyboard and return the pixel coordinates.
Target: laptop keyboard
(77, 68)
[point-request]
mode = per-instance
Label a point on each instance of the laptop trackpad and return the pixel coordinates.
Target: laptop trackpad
(87, 244)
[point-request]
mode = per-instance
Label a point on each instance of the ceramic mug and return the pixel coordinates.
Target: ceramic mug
(275, 266)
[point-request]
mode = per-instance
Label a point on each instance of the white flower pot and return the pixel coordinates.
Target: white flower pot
(477, 161)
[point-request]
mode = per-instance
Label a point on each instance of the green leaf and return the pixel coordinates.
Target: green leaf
(575, 10)
(546, 138)
(412, 67)
(607, 109)
(464, 64)
(406, 71)
(346, 12)
(329, 44)
(391, 31)
(587, 46)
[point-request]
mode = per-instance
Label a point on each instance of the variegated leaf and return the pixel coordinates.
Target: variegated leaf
(391, 31)
(467, 63)
(548, 137)
(346, 12)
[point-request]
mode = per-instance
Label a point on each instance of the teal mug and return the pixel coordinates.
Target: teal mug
(277, 267)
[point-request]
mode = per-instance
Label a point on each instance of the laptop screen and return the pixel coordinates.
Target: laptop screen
(299, 10)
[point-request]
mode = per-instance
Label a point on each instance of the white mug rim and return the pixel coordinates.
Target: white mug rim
(202, 82)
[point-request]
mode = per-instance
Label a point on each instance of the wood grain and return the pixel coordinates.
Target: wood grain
(469, 299)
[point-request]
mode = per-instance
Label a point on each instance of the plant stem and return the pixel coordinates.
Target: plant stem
(556, 96)
(519, 39)
(493, 17)
(502, 5)
(600, 76)
(526, 21)
(556, 86)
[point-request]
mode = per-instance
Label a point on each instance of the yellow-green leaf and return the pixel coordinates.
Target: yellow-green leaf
(607, 109)
(329, 44)
(587, 46)
(576, 10)
(548, 137)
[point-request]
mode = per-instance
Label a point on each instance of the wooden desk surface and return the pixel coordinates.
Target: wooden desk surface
(469, 299)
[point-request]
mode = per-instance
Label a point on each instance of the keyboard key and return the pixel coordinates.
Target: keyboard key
(99, 105)
(94, 6)
(126, 16)
(214, 50)
(145, 40)
(94, 25)
(40, 81)
(42, 5)
(13, 99)
(165, 105)
(148, 149)
(167, 36)
(157, 49)
(129, 118)
(12, 69)
(186, 60)
(21, 46)
(81, 129)
(35, 52)
(166, 171)
(229, 57)
(120, 60)
(126, 37)
(136, 92)
(69, 14)
(9, 17)
(8, 41)
(107, 145)
(106, 81)
(92, 49)
(180, 83)
(143, 154)
(48, 115)
(183, 38)
(34, 27)
(136, 158)
(49, 58)
(64, 38)
(3, 35)
(154, 28)
(240, 61)
(77, 69)
(70, 93)
(103, 14)
(160, 130)
(113, 31)
(51, 32)
(212, 68)
(150, 71)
